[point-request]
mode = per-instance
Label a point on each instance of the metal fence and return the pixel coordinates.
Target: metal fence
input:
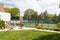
(32, 24)
(45, 25)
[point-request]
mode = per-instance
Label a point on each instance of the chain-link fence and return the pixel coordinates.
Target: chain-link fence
(45, 25)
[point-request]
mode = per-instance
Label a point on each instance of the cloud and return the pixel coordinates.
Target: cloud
(25, 4)
(39, 5)
(52, 6)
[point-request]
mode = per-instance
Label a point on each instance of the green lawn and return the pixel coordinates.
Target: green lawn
(28, 35)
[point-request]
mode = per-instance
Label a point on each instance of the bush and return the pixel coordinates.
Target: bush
(58, 26)
(1, 23)
(7, 24)
(39, 26)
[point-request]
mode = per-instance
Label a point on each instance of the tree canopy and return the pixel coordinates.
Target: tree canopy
(14, 12)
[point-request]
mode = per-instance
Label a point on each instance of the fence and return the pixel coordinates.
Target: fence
(33, 24)
(45, 25)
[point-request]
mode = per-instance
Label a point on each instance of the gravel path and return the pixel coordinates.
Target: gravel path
(26, 28)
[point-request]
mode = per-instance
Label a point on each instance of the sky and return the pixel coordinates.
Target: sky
(52, 6)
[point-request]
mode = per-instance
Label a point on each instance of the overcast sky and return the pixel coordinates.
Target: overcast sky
(52, 6)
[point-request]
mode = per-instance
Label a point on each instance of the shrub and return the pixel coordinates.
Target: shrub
(7, 24)
(58, 26)
(39, 26)
(1, 23)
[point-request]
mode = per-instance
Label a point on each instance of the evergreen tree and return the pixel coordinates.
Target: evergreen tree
(59, 18)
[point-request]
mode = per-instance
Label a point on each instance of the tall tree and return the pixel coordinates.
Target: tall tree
(41, 16)
(59, 18)
(59, 6)
(28, 13)
(35, 16)
(14, 12)
(7, 10)
(54, 18)
(45, 18)
(2, 23)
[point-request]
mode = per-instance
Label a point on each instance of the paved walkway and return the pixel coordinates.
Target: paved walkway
(26, 28)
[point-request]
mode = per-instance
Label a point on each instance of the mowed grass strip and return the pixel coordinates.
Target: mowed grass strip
(28, 35)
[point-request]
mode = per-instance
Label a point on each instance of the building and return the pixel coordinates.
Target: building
(1, 7)
(3, 15)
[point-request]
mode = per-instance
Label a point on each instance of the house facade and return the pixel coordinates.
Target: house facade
(1, 7)
(3, 15)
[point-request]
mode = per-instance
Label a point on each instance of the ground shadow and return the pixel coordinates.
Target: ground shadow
(49, 37)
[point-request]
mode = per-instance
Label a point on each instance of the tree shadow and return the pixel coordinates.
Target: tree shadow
(49, 37)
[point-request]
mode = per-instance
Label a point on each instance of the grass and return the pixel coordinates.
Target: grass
(28, 35)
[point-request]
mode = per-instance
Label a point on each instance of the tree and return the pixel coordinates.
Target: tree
(14, 12)
(8, 10)
(2, 24)
(44, 16)
(41, 16)
(59, 18)
(54, 18)
(28, 13)
(35, 16)
(59, 6)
